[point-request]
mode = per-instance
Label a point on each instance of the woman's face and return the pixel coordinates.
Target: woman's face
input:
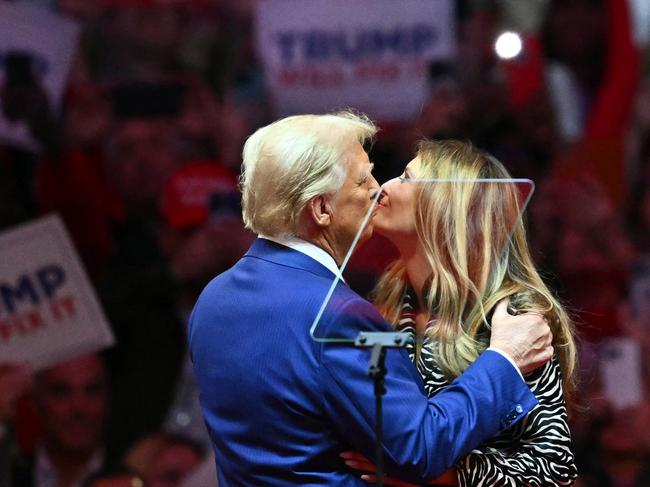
(394, 218)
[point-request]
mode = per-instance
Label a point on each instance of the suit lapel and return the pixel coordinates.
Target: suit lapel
(279, 254)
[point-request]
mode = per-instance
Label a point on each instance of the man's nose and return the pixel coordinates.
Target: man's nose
(373, 183)
(375, 187)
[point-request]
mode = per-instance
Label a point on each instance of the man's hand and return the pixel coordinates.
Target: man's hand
(526, 338)
(357, 461)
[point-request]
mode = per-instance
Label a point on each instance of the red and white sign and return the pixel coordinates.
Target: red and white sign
(372, 55)
(48, 309)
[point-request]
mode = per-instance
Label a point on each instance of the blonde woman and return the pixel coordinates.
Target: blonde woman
(462, 250)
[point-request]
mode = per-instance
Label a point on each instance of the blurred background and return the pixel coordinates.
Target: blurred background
(127, 118)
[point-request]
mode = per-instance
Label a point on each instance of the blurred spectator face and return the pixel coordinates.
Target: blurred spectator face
(579, 253)
(476, 47)
(87, 115)
(234, 127)
(171, 465)
(587, 231)
(71, 400)
(444, 113)
(200, 112)
(535, 120)
(202, 231)
(142, 155)
(208, 250)
(627, 433)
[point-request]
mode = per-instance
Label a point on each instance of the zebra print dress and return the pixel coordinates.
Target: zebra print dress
(534, 452)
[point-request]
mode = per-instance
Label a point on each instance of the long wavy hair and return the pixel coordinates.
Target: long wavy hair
(475, 242)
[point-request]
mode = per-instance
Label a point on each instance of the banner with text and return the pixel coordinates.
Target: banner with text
(371, 55)
(46, 44)
(48, 309)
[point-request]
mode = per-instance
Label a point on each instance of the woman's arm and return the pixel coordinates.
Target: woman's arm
(537, 453)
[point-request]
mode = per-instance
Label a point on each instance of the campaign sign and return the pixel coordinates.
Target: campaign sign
(372, 55)
(48, 309)
(49, 42)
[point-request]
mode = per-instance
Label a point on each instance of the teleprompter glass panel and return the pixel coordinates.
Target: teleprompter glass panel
(431, 241)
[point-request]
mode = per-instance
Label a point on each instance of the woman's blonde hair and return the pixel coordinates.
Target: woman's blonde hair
(475, 242)
(291, 161)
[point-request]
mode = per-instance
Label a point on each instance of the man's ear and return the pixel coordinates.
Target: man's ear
(320, 211)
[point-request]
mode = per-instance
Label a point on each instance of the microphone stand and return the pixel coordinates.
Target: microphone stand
(379, 342)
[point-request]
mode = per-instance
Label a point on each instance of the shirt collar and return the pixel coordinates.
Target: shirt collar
(309, 249)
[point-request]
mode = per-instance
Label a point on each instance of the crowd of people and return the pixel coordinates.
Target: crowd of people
(149, 194)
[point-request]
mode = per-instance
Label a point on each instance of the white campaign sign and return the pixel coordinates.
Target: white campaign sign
(51, 40)
(48, 309)
(371, 55)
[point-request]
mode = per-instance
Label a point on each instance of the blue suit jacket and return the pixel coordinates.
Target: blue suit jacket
(281, 407)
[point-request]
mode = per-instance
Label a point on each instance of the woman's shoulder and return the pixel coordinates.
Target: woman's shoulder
(546, 381)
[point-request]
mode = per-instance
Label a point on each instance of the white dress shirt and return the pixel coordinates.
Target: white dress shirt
(307, 248)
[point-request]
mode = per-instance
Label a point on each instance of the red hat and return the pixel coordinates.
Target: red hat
(186, 197)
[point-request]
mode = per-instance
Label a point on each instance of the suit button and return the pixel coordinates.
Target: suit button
(519, 409)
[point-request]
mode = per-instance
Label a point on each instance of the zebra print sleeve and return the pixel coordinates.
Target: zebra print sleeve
(536, 451)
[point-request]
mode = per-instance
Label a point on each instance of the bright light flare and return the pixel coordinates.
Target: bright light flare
(508, 45)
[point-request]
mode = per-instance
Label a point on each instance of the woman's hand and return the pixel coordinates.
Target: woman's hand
(357, 461)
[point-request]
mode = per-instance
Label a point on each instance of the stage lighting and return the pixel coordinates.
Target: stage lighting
(508, 45)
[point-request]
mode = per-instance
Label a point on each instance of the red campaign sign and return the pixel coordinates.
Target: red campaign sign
(372, 55)
(48, 310)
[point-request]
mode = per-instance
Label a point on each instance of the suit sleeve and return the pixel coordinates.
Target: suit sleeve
(542, 456)
(422, 437)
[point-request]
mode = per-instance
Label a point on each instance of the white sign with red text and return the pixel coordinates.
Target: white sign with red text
(50, 41)
(48, 309)
(371, 55)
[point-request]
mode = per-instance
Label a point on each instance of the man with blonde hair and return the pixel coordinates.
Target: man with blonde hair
(280, 406)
